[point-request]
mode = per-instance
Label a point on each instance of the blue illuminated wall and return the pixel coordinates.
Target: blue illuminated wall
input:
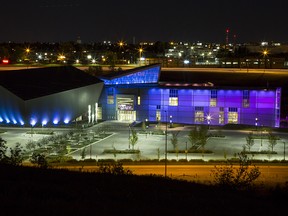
(150, 75)
(263, 107)
(11, 108)
(59, 108)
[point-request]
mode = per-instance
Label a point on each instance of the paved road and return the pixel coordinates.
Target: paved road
(270, 174)
(203, 173)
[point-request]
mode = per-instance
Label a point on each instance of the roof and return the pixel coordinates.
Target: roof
(118, 74)
(256, 79)
(37, 82)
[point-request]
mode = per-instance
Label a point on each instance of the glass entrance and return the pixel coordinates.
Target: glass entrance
(125, 108)
(124, 115)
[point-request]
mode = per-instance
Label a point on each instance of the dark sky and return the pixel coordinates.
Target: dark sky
(149, 20)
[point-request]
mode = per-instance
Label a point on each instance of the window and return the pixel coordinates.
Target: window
(246, 99)
(199, 114)
(158, 115)
(139, 100)
(213, 98)
(173, 97)
(110, 99)
(233, 116)
(173, 101)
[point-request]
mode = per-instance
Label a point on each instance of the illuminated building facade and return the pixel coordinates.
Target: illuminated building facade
(48, 96)
(60, 95)
(139, 95)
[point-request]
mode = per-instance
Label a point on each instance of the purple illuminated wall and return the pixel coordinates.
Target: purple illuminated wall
(262, 106)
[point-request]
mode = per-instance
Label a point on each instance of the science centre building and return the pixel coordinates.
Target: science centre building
(61, 95)
(47, 96)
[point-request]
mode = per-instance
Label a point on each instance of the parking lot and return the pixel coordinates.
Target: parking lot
(151, 145)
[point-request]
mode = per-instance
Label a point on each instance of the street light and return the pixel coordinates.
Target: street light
(256, 123)
(140, 55)
(265, 53)
(208, 117)
(121, 44)
(27, 50)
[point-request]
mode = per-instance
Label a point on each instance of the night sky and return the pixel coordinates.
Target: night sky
(149, 20)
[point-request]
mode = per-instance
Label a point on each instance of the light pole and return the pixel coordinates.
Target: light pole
(186, 151)
(208, 120)
(265, 53)
(27, 51)
(140, 56)
(166, 144)
(129, 137)
(284, 149)
(256, 123)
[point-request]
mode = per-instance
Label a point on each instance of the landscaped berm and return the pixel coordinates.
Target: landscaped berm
(115, 191)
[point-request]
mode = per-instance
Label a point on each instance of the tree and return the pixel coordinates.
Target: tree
(249, 141)
(133, 138)
(94, 70)
(31, 145)
(203, 136)
(238, 178)
(39, 159)
(83, 153)
(3, 149)
(198, 136)
(16, 155)
(272, 141)
(174, 139)
(193, 137)
(114, 169)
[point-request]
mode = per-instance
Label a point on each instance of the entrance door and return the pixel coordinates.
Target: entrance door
(125, 106)
(125, 115)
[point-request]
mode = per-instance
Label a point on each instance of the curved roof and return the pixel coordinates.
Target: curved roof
(37, 82)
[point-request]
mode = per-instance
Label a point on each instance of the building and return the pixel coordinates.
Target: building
(64, 94)
(144, 94)
(47, 96)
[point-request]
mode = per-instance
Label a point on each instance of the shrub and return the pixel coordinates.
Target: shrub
(90, 160)
(114, 169)
(230, 177)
